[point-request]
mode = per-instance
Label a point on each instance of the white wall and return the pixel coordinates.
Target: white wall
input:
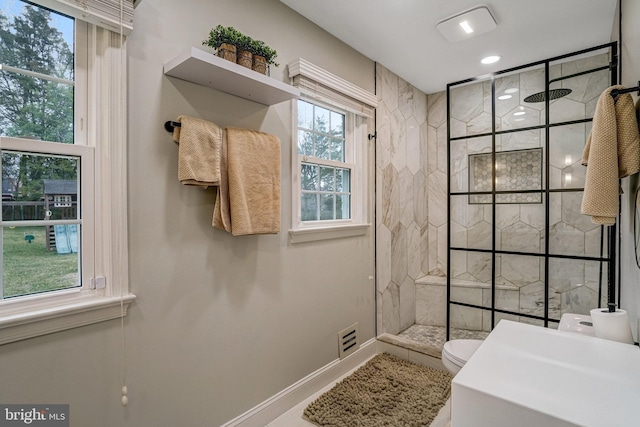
(221, 323)
(630, 273)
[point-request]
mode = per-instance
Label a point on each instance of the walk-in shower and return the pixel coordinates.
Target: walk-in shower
(504, 237)
(518, 246)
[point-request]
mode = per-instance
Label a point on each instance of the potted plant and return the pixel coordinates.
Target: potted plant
(263, 56)
(245, 55)
(224, 40)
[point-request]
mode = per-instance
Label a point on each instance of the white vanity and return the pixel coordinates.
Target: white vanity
(529, 376)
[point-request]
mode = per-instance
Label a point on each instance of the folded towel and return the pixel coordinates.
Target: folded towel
(253, 169)
(612, 152)
(199, 151)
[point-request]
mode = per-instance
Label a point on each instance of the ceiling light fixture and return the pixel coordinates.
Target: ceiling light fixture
(467, 24)
(490, 59)
(466, 27)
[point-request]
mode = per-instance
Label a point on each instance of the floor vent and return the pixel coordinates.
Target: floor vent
(348, 341)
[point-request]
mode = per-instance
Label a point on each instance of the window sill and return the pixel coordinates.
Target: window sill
(16, 327)
(303, 235)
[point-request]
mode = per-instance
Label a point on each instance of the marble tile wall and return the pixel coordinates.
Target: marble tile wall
(402, 237)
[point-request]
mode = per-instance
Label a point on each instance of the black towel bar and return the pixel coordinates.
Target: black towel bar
(169, 125)
(617, 92)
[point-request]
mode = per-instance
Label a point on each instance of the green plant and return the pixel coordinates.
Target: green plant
(220, 35)
(260, 48)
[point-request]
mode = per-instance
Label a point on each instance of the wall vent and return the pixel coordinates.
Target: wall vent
(348, 340)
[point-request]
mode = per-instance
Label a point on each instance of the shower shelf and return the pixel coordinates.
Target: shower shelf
(200, 67)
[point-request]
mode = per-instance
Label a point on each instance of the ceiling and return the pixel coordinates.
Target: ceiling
(402, 36)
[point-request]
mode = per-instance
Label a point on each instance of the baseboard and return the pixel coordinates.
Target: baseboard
(272, 408)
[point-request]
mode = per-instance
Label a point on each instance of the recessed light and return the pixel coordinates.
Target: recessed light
(503, 97)
(490, 59)
(511, 90)
(519, 113)
(466, 27)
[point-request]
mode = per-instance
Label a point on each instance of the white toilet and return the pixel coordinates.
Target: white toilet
(457, 352)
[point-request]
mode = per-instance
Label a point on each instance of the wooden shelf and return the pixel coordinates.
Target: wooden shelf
(200, 67)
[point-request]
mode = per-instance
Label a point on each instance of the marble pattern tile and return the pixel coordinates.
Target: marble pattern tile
(520, 270)
(466, 101)
(566, 240)
(398, 253)
(389, 193)
(533, 214)
(413, 145)
(466, 318)
(398, 140)
(437, 109)
(407, 292)
(388, 84)
(391, 309)
(405, 193)
(437, 205)
(521, 237)
(420, 197)
(414, 257)
(431, 307)
(383, 257)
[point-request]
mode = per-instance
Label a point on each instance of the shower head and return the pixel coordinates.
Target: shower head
(553, 94)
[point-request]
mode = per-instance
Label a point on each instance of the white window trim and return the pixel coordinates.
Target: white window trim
(103, 130)
(324, 88)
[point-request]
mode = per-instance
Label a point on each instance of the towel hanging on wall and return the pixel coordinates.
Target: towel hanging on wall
(200, 143)
(248, 200)
(612, 152)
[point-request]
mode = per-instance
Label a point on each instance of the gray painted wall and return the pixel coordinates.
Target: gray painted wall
(221, 323)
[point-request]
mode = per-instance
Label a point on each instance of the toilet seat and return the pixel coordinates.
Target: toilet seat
(459, 351)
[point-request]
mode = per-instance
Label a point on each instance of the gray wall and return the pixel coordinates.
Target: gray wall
(221, 323)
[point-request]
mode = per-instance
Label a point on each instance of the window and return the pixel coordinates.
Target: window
(60, 170)
(331, 155)
(325, 167)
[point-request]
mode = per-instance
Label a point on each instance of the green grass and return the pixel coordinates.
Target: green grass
(29, 268)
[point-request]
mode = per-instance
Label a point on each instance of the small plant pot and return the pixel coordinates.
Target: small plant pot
(259, 64)
(227, 51)
(245, 58)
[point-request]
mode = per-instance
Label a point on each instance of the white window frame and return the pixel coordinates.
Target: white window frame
(100, 142)
(327, 90)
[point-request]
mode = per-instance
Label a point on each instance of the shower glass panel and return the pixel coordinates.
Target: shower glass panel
(518, 246)
(511, 111)
(467, 323)
(468, 110)
(577, 85)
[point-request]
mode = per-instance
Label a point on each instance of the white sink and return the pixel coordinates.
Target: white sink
(529, 376)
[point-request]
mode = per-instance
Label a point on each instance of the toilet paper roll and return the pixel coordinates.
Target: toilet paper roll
(612, 326)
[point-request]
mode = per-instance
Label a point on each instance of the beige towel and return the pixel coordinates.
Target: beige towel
(612, 152)
(221, 213)
(199, 151)
(253, 172)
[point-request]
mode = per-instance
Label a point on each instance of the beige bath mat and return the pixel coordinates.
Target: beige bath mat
(386, 391)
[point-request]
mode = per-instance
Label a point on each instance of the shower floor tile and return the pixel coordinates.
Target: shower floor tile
(435, 336)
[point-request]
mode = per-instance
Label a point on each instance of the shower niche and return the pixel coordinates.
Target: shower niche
(518, 246)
